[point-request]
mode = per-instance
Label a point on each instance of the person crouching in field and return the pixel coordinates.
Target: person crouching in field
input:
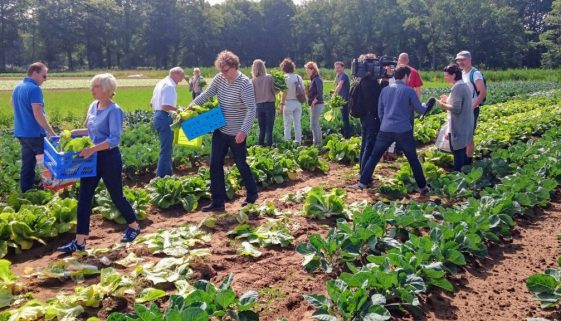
(104, 127)
(236, 96)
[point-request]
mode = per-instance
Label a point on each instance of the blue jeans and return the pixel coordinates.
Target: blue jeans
(162, 120)
(370, 125)
(347, 130)
(30, 146)
(221, 143)
(109, 168)
(406, 142)
(266, 120)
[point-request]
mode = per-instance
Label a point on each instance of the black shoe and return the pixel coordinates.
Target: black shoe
(213, 208)
(249, 200)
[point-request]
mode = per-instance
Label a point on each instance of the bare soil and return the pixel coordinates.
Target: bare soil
(490, 289)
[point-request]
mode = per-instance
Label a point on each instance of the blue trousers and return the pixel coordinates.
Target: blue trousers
(406, 142)
(109, 168)
(30, 147)
(266, 120)
(221, 143)
(161, 123)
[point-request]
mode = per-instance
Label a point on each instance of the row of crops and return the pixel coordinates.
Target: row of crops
(382, 256)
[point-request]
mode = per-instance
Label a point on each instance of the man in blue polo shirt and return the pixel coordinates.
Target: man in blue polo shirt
(30, 122)
(396, 108)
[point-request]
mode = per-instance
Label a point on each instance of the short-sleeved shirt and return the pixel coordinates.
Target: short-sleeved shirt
(477, 75)
(105, 124)
(415, 80)
(344, 92)
(164, 94)
(24, 96)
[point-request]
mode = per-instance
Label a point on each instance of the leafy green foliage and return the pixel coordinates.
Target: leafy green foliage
(343, 150)
(204, 302)
(185, 191)
(137, 197)
(270, 233)
(319, 204)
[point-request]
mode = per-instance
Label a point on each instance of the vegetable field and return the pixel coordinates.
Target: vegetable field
(482, 246)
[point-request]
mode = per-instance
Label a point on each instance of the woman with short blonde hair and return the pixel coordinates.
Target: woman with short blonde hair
(265, 92)
(104, 126)
(315, 100)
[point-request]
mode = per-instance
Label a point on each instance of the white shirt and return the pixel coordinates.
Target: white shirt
(476, 76)
(291, 80)
(164, 94)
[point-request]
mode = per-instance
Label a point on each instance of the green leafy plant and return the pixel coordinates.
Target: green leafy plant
(137, 197)
(320, 204)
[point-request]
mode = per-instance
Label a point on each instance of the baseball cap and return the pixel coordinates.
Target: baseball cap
(463, 55)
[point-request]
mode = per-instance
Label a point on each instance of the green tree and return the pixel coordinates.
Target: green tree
(12, 19)
(551, 38)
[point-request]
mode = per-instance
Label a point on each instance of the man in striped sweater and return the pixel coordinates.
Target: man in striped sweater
(237, 98)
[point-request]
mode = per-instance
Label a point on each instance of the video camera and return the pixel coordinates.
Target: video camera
(373, 67)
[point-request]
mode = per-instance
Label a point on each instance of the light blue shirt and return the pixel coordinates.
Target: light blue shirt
(25, 94)
(396, 107)
(105, 124)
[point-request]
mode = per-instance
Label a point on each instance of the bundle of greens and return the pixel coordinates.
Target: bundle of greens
(279, 81)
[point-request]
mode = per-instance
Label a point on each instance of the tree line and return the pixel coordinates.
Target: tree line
(73, 34)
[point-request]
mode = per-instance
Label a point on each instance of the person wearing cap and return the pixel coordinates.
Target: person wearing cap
(415, 80)
(476, 83)
(30, 121)
(164, 103)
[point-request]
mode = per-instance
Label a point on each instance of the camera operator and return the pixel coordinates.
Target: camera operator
(364, 105)
(395, 108)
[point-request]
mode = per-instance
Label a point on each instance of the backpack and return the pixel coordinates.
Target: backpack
(472, 81)
(354, 97)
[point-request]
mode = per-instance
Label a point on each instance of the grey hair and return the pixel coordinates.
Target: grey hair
(176, 70)
(106, 81)
(404, 56)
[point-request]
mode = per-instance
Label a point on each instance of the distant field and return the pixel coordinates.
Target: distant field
(76, 83)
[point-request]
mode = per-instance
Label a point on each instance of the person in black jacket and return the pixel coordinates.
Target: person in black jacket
(365, 107)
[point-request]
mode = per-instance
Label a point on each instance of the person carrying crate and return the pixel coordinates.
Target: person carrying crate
(236, 95)
(104, 123)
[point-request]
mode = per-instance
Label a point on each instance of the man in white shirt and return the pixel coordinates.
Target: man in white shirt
(476, 83)
(164, 103)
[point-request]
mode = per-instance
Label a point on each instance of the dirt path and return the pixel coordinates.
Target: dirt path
(495, 288)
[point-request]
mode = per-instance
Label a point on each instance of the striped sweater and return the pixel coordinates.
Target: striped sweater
(237, 100)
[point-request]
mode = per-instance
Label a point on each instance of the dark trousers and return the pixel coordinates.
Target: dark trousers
(221, 143)
(109, 168)
(347, 130)
(194, 94)
(30, 147)
(460, 159)
(266, 120)
(370, 125)
(406, 142)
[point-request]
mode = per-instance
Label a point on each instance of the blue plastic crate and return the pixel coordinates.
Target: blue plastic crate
(204, 123)
(67, 165)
